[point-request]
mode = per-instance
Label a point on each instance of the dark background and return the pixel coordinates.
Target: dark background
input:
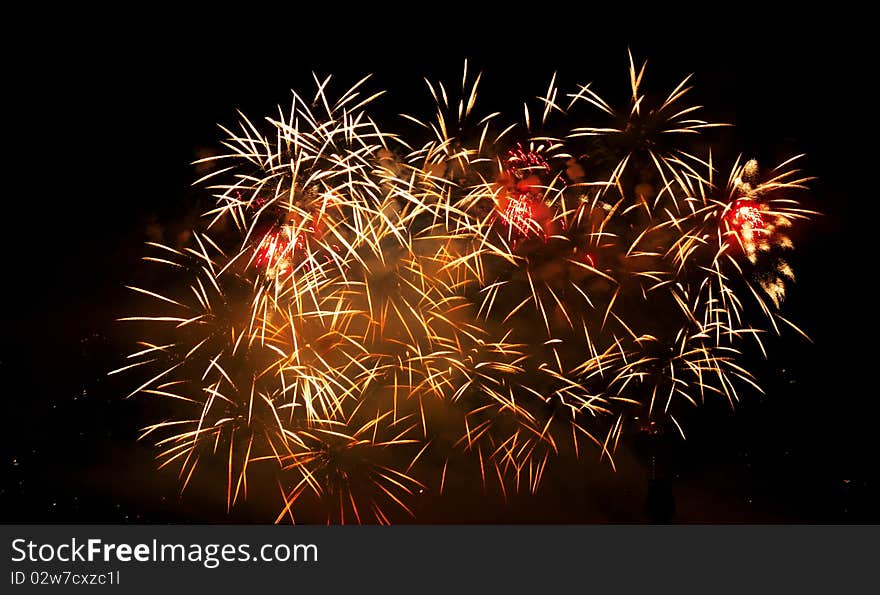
(108, 111)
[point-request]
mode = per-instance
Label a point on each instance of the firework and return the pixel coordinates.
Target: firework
(362, 314)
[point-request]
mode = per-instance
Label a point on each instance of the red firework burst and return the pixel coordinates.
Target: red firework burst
(521, 163)
(746, 218)
(746, 214)
(280, 247)
(522, 209)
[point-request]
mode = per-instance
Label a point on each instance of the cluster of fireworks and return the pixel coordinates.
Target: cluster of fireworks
(361, 315)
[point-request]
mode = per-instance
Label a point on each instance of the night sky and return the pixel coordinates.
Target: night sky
(105, 121)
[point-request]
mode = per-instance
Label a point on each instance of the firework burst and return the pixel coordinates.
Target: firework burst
(361, 315)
